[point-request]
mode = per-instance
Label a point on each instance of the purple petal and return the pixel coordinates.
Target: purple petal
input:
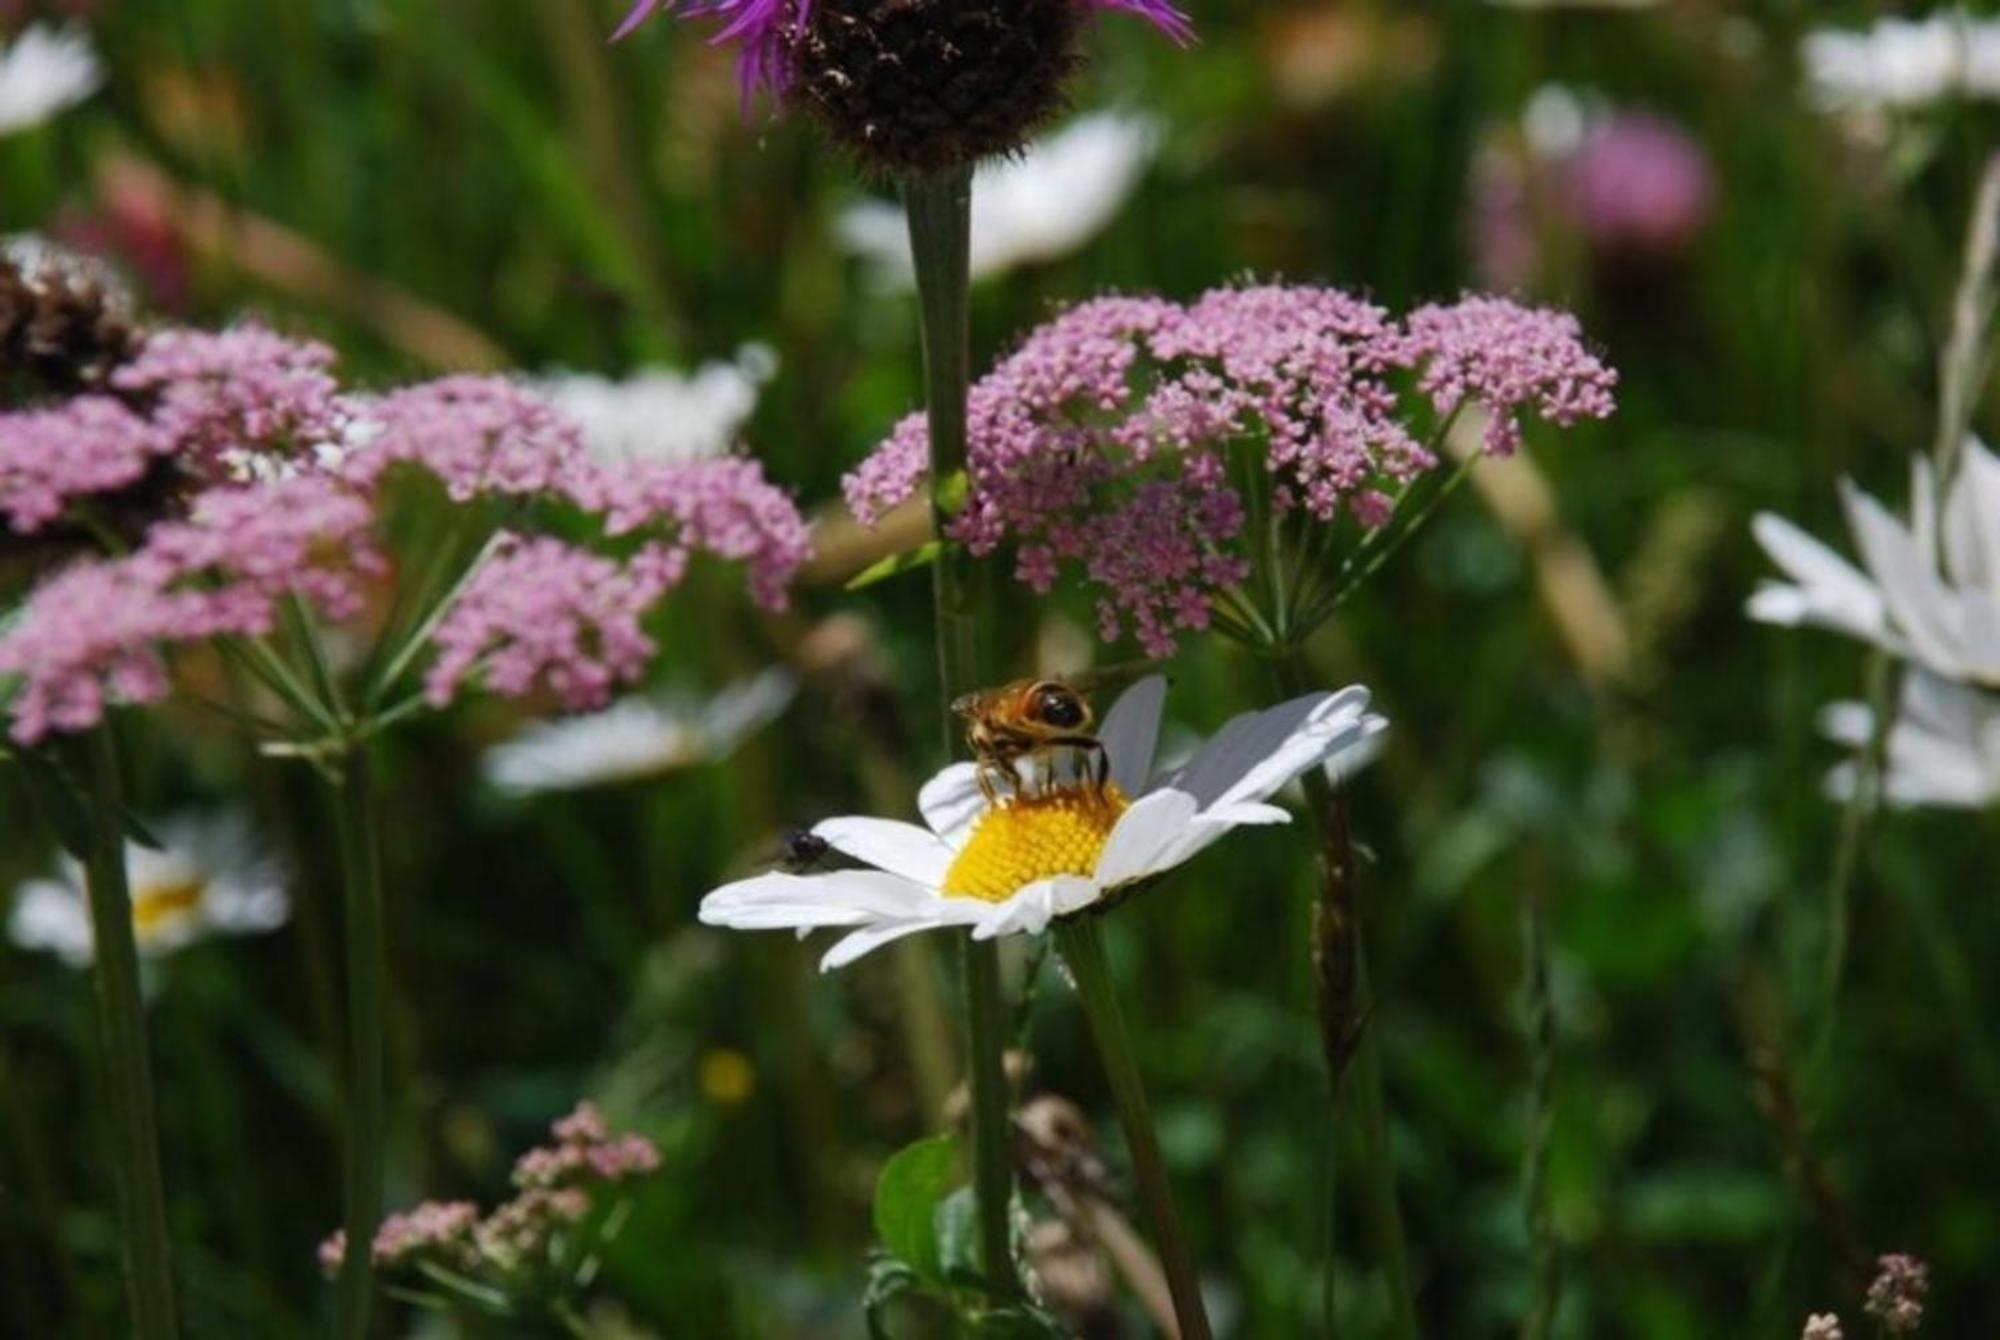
(639, 13)
(1160, 13)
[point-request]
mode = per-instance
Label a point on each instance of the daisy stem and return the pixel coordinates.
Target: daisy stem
(1081, 940)
(1340, 977)
(940, 215)
(121, 1016)
(361, 875)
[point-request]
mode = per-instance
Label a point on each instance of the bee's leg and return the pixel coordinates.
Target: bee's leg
(982, 773)
(1011, 764)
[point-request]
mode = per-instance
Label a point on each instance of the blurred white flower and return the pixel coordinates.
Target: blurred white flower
(208, 877)
(1947, 621)
(639, 736)
(1058, 195)
(1943, 747)
(43, 71)
(1011, 864)
(659, 414)
(1904, 62)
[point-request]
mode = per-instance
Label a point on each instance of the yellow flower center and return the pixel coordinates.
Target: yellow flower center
(1026, 838)
(155, 906)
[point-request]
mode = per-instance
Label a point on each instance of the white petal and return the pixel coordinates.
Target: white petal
(1243, 743)
(851, 947)
(1336, 724)
(1831, 592)
(951, 803)
(1030, 910)
(1131, 732)
(1142, 834)
(1916, 601)
(837, 898)
(889, 844)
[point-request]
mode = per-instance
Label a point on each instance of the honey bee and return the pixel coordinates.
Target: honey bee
(1028, 718)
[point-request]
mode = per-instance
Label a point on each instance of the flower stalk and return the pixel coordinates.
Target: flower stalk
(1341, 982)
(939, 206)
(121, 1017)
(361, 875)
(1081, 942)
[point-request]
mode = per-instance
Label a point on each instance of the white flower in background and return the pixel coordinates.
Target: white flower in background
(1946, 621)
(208, 877)
(1943, 747)
(1048, 202)
(1905, 62)
(639, 736)
(1015, 866)
(43, 71)
(659, 414)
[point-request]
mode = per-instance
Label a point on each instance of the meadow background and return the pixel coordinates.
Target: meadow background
(432, 184)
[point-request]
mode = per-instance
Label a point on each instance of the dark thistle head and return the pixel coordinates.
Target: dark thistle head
(914, 86)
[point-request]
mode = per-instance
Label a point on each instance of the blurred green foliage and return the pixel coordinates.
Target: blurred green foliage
(591, 207)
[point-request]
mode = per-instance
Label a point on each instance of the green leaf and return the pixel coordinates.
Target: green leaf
(907, 1197)
(889, 1280)
(922, 556)
(1018, 1321)
(953, 492)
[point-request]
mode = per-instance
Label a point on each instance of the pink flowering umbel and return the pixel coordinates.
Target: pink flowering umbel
(271, 526)
(533, 1253)
(1159, 448)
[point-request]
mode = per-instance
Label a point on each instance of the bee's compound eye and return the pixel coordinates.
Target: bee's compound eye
(1059, 707)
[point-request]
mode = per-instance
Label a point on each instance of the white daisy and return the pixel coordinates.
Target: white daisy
(208, 877)
(1015, 866)
(1904, 62)
(636, 737)
(1946, 621)
(659, 414)
(1046, 203)
(43, 71)
(1943, 747)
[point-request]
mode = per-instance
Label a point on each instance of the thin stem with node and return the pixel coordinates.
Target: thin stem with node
(361, 875)
(1081, 942)
(122, 1020)
(1546, 1277)
(1354, 1067)
(939, 207)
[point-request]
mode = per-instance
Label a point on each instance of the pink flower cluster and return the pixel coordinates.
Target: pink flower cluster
(558, 1185)
(542, 614)
(225, 397)
(51, 457)
(1113, 438)
(246, 404)
(1508, 359)
(91, 634)
(1896, 1297)
(480, 436)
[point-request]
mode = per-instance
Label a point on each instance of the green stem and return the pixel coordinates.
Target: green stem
(121, 1017)
(1547, 1273)
(1340, 976)
(361, 875)
(1854, 819)
(1081, 940)
(940, 215)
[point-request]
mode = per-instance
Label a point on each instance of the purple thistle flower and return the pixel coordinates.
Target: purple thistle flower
(1106, 440)
(762, 30)
(89, 445)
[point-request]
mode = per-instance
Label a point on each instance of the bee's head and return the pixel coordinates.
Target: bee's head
(1058, 706)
